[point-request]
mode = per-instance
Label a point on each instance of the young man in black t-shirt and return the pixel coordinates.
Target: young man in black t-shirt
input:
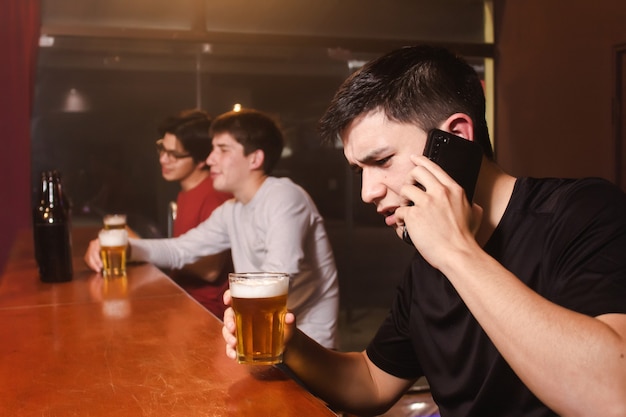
(514, 305)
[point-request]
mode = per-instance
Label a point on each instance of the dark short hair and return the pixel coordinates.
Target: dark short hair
(191, 128)
(422, 85)
(254, 130)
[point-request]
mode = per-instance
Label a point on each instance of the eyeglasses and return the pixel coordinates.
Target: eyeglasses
(170, 154)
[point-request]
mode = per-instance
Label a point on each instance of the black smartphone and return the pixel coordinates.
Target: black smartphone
(459, 157)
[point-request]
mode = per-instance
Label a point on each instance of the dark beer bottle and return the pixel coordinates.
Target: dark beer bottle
(65, 201)
(51, 232)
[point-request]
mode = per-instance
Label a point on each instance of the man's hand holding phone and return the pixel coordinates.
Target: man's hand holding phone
(440, 215)
(449, 168)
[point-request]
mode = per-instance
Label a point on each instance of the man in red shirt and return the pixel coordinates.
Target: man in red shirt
(183, 150)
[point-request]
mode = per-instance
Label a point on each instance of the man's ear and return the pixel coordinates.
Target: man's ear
(459, 124)
(256, 159)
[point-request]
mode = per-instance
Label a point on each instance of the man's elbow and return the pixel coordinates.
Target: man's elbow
(211, 276)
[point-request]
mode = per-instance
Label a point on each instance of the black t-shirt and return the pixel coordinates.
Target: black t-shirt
(566, 239)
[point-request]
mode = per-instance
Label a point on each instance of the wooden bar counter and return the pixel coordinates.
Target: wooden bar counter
(135, 347)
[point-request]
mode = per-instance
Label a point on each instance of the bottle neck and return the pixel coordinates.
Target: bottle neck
(52, 196)
(43, 191)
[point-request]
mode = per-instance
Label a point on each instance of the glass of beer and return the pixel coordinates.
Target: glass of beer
(113, 244)
(114, 221)
(259, 300)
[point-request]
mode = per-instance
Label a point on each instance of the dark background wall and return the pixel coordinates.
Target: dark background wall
(554, 86)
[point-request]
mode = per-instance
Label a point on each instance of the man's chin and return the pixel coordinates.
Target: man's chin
(223, 189)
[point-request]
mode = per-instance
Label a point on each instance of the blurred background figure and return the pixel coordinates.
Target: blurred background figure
(270, 224)
(183, 148)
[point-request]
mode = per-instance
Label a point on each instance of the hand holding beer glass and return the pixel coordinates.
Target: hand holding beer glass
(113, 244)
(259, 300)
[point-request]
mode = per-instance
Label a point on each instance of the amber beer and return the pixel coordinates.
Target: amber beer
(113, 244)
(260, 304)
(114, 221)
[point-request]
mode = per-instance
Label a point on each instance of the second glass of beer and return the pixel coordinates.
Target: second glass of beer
(114, 221)
(259, 300)
(113, 244)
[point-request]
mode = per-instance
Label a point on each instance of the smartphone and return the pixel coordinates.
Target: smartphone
(459, 157)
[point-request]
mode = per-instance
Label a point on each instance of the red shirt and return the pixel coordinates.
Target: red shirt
(195, 206)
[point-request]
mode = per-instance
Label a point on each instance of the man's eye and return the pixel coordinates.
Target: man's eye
(383, 162)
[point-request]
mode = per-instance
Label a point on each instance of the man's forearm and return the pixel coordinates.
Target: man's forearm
(342, 379)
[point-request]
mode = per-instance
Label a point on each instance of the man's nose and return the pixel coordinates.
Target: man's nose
(371, 188)
(209, 159)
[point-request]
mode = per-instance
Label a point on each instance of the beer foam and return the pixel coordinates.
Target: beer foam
(113, 237)
(258, 287)
(115, 219)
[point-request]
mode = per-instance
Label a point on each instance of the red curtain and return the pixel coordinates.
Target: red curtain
(19, 35)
